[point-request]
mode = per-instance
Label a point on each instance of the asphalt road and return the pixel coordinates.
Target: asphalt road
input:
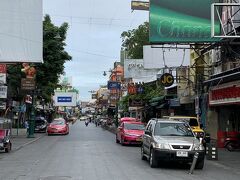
(90, 153)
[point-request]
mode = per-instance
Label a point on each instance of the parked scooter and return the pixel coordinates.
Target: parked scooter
(232, 143)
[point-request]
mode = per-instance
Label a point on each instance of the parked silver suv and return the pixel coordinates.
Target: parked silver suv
(170, 140)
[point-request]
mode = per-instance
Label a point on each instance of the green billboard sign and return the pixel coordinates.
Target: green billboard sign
(181, 21)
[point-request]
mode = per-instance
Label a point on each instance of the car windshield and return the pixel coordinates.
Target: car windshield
(129, 126)
(58, 122)
(191, 121)
(172, 129)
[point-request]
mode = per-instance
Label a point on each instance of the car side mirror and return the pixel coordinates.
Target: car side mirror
(148, 133)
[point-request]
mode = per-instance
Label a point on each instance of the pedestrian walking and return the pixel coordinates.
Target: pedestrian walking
(26, 126)
(86, 123)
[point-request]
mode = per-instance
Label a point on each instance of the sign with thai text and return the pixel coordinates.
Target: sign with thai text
(225, 95)
(27, 84)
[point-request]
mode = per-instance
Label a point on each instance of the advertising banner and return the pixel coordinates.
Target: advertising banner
(133, 68)
(181, 21)
(67, 99)
(21, 37)
(153, 58)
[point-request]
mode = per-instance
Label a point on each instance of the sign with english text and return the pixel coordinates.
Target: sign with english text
(167, 79)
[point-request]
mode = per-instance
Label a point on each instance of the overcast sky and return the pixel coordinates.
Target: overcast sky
(93, 38)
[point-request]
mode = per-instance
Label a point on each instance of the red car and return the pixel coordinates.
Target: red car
(130, 132)
(124, 119)
(58, 126)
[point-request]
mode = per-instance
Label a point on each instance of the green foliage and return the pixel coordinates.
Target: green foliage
(54, 57)
(150, 91)
(134, 40)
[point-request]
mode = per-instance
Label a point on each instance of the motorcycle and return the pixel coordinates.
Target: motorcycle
(5, 142)
(232, 143)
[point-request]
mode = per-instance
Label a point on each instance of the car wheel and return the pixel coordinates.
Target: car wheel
(142, 154)
(200, 164)
(152, 160)
(122, 141)
(229, 146)
(117, 141)
(8, 148)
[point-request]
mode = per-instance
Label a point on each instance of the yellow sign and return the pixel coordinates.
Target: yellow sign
(167, 80)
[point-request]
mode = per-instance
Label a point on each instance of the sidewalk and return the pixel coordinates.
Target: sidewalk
(20, 141)
(228, 160)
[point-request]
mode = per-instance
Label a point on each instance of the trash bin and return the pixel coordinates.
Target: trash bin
(212, 150)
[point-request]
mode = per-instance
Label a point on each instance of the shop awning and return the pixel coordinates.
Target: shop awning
(157, 99)
(162, 106)
(154, 104)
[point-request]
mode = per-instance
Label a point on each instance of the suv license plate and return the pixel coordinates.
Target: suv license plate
(182, 153)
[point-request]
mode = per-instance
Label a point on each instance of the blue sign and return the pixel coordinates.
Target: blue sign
(114, 85)
(64, 99)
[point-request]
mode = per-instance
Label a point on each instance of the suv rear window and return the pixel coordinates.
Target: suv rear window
(172, 129)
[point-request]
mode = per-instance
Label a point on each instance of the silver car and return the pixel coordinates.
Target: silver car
(170, 140)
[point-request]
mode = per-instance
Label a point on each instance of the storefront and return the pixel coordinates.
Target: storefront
(224, 107)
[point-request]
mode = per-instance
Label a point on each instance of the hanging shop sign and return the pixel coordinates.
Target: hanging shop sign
(140, 5)
(3, 77)
(167, 79)
(27, 84)
(3, 105)
(135, 102)
(225, 95)
(3, 68)
(94, 96)
(3, 92)
(114, 85)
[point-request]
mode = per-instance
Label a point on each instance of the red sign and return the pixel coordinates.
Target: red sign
(225, 95)
(3, 68)
(131, 88)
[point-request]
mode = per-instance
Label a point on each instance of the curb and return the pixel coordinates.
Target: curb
(112, 130)
(27, 143)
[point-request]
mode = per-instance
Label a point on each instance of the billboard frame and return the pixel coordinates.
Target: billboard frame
(215, 5)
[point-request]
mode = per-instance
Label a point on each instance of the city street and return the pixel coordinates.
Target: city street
(90, 153)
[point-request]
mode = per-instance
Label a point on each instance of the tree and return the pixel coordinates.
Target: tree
(151, 90)
(54, 57)
(134, 40)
